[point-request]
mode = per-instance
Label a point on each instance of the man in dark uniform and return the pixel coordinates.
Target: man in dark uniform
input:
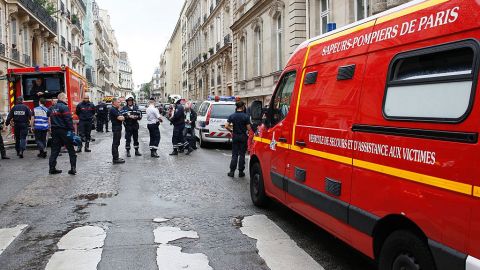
(85, 112)
(117, 120)
(21, 115)
(132, 115)
(189, 131)
(3, 153)
(61, 125)
(178, 121)
(102, 116)
(37, 91)
(238, 123)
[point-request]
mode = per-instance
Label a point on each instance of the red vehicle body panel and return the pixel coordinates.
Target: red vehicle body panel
(440, 196)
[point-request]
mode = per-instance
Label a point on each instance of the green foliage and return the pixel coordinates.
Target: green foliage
(147, 89)
(49, 7)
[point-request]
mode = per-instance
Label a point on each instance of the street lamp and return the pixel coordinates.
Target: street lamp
(83, 43)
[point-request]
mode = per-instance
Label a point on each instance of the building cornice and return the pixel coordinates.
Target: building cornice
(251, 13)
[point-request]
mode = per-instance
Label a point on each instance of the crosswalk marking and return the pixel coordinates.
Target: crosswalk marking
(8, 235)
(278, 250)
(80, 249)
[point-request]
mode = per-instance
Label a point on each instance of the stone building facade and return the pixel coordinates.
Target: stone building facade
(125, 75)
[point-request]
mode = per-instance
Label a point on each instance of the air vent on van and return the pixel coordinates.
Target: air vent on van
(311, 77)
(345, 73)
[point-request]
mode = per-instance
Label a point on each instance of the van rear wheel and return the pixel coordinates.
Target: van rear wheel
(257, 187)
(403, 250)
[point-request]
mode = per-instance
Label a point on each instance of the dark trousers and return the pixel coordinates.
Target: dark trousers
(59, 139)
(85, 130)
(117, 136)
(41, 139)
(178, 140)
(2, 146)
(101, 121)
(21, 133)
(239, 148)
(189, 135)
(129, 133)
(154, 135)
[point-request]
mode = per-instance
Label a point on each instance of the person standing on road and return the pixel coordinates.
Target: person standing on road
(238, 123)
(21, 115)
(153, 122)
(178, 121)
(40, 125)
(61, 125)
(3, 153)
(102, 116)
(117, 120)
(189, 131)
(132, 116)
(85, 112)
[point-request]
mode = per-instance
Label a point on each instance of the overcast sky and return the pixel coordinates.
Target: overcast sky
(143, 29)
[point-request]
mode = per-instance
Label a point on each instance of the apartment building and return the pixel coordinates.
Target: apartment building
(125, 75)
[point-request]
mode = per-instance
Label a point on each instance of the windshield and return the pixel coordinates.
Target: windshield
(49, 84)
(222, 111)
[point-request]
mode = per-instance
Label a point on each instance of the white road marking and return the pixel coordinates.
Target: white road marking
(278, 250)
(80, 249)
(160, 220)
(8, 235)
(171, 257)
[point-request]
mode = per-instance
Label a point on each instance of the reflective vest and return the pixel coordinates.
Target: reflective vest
(40, 118)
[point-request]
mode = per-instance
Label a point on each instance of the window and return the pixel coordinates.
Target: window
(279, 41)
(432, 84)
(222, 111)
(362, 9)
(243, 56)
(45, 54)
(25, 41)
(280, 104)
(1, 26)
(258, 51)
(13, 29)
(202, 111)
(324, 15)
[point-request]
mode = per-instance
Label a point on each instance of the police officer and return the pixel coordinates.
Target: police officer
(102, 116)
(3, 153)
(189, 131)
(20, 114)
(61, 125)
(85, 112)
(40, 126)
(178, 121)
(153, 122)
(117, 119)
(132, 115)
(238, 123)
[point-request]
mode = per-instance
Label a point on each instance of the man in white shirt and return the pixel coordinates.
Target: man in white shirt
(153, 121)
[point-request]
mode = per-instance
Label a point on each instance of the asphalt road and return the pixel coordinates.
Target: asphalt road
(191, 193)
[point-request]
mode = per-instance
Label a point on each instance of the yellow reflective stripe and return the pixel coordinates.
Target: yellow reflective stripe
(409, 10)
(262, 140)
(300, 92)
(476, 191)
(325, 155)
(283, 145)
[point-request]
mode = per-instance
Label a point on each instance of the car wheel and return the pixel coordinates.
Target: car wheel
(202, 143)
(257, 187)
(403, 250)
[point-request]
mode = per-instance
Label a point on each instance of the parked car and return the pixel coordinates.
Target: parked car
(142, 107)
(212, 116)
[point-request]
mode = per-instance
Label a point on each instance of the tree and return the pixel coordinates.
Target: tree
(147, 89)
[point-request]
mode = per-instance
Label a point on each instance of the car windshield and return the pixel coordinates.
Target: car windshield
(49, 84)
(222, 111)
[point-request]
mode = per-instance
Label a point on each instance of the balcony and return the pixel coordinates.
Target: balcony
(2, 49)
(40, 13)
(15, 55)
(26, 59)
(77, 55)
(227, 40)
(77, 27)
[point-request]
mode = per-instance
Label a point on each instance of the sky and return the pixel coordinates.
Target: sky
(143, 29)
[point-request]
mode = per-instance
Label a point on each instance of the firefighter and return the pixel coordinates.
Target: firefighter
(102, 116)
(85, 112)
(189, 131)
(3, 153)
(132, 115)
(21, 115)
(178, 121)
(40, 126)
(239, 124)
(117, 119)
(61, 125)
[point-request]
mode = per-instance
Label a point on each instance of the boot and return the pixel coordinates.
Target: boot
(4, 155)
(44, 154)
(21, 154)
(137, 153)
(54, 171)
(73, 166)
(154, 153)
(231, 174)
(241, 174)
(174, 153)
(190, 150)
(79, 149)
(87, 147)
(128, 153)
(73, 171)
(119, 161)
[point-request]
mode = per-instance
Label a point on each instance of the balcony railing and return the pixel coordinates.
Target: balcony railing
(77, 52)
(217, 46)
(26, 59)
(40, 13)
(227, 40)
(15, 55)
(69, 47)
(2, 49)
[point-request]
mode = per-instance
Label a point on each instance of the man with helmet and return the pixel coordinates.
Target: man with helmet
(178, 121)
(132, 115)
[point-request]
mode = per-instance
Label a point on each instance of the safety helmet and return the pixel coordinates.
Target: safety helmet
(129, 97)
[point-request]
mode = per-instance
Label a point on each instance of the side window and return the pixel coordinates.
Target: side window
(434, 84)
(203, 109)
(280, 104)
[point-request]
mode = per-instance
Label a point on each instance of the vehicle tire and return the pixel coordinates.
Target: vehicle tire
(403, 250)
(203, 144)
(257, 187)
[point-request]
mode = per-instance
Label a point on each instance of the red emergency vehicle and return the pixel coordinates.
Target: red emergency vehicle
(372, 134)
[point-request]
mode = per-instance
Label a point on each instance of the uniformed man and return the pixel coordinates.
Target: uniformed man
(153, 122)
(85, 112)
(189, 131)
(178, 121)
(40, 125)
(132, 116)
(37, 91)
(102, 116)
(21, 115)
(3, 153)
(117, 119)
(238, 124)
(61, 124)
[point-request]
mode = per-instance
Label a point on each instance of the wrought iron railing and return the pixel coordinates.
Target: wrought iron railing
(26, 59)
(15, 55)
(2, 49)
(40, 13)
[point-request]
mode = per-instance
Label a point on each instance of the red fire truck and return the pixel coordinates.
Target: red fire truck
(372, 134)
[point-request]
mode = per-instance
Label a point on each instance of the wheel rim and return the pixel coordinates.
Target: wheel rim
(256, 184)
(405, 261)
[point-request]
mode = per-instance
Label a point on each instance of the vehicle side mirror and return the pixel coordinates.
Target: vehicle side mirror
(256, 110)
